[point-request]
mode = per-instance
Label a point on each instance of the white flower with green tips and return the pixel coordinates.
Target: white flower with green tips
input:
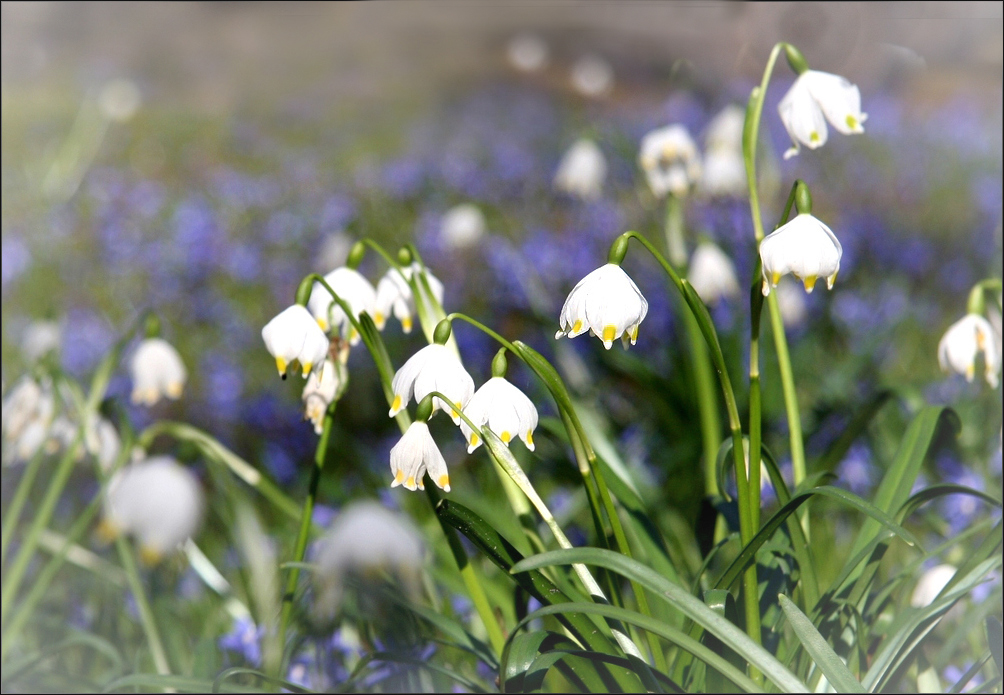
(607, 303)
(352, 288)
(963, 341)
(293, 337)
(433, 368)
(504, 409)
(815, 98)
(415, 454)
(157, 371)
(804, 247)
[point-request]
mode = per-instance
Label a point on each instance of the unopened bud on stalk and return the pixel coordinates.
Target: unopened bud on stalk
(356, 254)
(303, 290)
(424, 409)
(803, 199)
(443, 330)
(404, 256)
(795, 59)
(499, 363)
(618, 249)
(151, 327)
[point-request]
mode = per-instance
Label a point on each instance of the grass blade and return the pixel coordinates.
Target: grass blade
(822, 654)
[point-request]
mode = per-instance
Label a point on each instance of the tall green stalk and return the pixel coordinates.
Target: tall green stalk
(146, 618)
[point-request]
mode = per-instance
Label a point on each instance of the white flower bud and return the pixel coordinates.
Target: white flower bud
(963, 341)
(804, 247)
(294, 337)
(582, 171)
(157, 371)
(607, 303)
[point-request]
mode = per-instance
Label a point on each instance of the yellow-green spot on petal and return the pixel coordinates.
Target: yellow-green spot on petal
(281, 364)
(775, 278)
(107, 531)
(399, 477)
(529, 437)
(379, 319)
(396, 405)
(809, 283)
(444, 482)
(634, 335)
(814, 137)
(851, 121)
(577, 326)
(609, 333)
(410, 482)
(505, 437)
(474, 440)
(323, 323)
(173, 389)
(149, 556)
(307, 366)
(406, 324)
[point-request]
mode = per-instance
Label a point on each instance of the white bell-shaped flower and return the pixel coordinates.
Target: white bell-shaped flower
(963, 341)
(712, 274)
(505, 409)
(582, 171)
(157, 371)
(158, 501)
(670, 160)
(415, 454)
(394, 295)
(433, 368)
(353, 289)
(724, 168)
(294, 337)
(817, 97)
(463, 226)
(41, 338)
(366, 538)
(607, 303)
(804, 247)
(726, 129)
(592, 76)
(527, 52)
(322, 387)
(930, 584)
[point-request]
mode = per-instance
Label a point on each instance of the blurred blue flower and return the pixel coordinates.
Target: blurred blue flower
(244, 638)
(857, 471)
(15, 256)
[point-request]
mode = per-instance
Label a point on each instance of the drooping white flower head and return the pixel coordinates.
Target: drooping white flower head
(726, 129)
(670, 160)
(724, 169)
(433, 368)
(414, 454)
(527, 52)
(353, 289)
(321, 388)
(157, 501)
(505, 409)
(817, 97)
(157, 371)
(41, 338)
(592, 76)
(804, 247)
(582, 170)
(963, 341)
(294, 337)
(712, 273)
(791, 303)
(366, 538)
(931, 584)
(607, 303)
(463, 226)
(25, 403)
(394, 295)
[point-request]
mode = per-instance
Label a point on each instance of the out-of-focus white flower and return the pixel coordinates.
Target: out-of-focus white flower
(592, 76)
(607, 303)
(61, 434)
(322, 387)
(394, 295)
(463, 226)
(157, 371)
(670, 160)
(726, 129)
(804, 247)
(433, 368)
(724, 169)
(712, 273)
(353, 289)
(366, 538)
(414, 454)
(103, 442)
(527, 52)
(334, 251)
(157, 501)
(963, 341)
(791, 304)
(505, 409)
(294, 336)
(582, 170)
(25, 403)
(119, 100)
(931, 584)
(817, 97)
(41, 338)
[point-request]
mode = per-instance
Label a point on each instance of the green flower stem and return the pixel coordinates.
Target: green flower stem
(143, 606)
(13, 514)
(707, 404)
(676, 245)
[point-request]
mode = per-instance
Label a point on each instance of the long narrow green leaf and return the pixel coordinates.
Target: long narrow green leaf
(935, 491)
(826, 659)
(691, 606)
(995, 640)
(544, 661)
(183, 684)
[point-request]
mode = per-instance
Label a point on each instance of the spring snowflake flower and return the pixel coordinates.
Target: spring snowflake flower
(592, 76)
(582, 170)
(963, 341)
(394, 295)
(103, 443)
(804, 247)
(607, 303)
(322, 387)
(294, 337)
(930, 584)
(353, 289)
(817, 97)
(670, 160)
(505, 409)
(712, 274)
(463, 226)
(433, 368)
(527, 53)
(157, 371)
(724, 169)
(41, 338)
(414, 455)
(158, 501)
(365, 539)
(28, 402)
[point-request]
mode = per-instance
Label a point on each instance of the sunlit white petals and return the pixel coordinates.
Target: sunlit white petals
(670, 160)
(592, 76)
(582, 171)
(323, 386)
(930, 584)
(353, 289)
(712, 274)
(505, 409)
(366, 538)
(433, 282)
(41, 338)
(817, 97)
(433, 368)
(394, 295)
(963, 342)
(157, 501)
(463, 226)
(806, 248)
(157, 371)
(607, 303)
(527, 52)
(294, 337)
(415, 454)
